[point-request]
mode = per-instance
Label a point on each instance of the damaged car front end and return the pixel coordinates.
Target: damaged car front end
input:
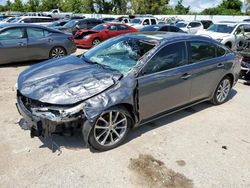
(71, 92)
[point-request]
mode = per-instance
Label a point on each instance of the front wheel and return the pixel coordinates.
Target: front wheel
(110, 129)
(222, 91)
(96, 41)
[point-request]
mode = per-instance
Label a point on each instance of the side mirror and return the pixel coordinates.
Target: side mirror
(77, 27)
(22, 22)
(189, 27)
(145, 23)
(106, 30)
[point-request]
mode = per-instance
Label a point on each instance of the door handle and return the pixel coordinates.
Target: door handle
(50, 40)
(21, 44)
(220, 65)
(185, 76)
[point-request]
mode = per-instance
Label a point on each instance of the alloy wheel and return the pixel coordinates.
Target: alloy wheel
(110, 128)
(57, 53)
(223, 90)
(96, 42)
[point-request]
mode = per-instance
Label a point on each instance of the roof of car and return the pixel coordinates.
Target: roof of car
(163, 36)
(34, 17)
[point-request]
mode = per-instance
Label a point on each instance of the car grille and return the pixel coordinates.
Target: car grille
(29, 103)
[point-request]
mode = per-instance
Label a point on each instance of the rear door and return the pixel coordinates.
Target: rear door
(164, 84)
(121, 29)
(207, 64)
(112, 31)
(13, 45)
(40, 42)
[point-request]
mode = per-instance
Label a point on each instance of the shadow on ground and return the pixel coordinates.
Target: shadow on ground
(76, 141)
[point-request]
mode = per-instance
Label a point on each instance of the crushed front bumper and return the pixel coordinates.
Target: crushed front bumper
(44, 123)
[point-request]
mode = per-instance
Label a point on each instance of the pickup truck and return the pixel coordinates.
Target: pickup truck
(57, 14)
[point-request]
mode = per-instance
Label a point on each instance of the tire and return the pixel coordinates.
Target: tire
(57, 52)
(96, 41)
(105, 136)
(222, 91)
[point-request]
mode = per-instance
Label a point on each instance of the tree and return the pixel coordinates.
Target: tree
(51, 4)
(17, 6)
(149, 7)
(180, 9)
(32, 5)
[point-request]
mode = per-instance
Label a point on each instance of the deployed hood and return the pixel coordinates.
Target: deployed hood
(65, 81)
(214, 35)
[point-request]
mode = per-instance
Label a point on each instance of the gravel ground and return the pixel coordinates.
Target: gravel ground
(209, 145)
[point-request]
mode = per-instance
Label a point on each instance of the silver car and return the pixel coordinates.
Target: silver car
(25, 42)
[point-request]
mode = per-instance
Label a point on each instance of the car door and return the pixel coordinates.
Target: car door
(163, 83)
(112, 31)
(239, 36)
(122, 29)
(207, 68)
(153, 21)
(40, 42)
(13, 45)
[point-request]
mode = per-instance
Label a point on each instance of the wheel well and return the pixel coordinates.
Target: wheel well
(130, 109)
(231, 78)
(229, 44)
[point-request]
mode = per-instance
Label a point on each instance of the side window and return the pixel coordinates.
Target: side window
(146, 22)
(122, 27)
(200, 51)
(27, 20)
(173, 29)
(12, 34)
(112, 28)
(35, 33)
(153, 21)
(220, 51)
(194, 24)
(239, 30)
(171, 56)
(247, 28)
(165, 28)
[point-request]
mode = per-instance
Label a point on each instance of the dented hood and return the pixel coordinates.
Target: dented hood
(65, 81)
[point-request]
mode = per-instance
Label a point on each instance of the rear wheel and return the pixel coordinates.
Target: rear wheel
(96, 41)
(57, 52)
(222, 91)
(110, 129)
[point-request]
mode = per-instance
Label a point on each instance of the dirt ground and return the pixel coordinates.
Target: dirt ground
(206, 145)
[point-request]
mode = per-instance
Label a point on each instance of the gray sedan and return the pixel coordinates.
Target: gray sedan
(124, 82)
(25, 42)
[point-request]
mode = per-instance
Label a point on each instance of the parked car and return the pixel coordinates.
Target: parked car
(124, 82)
(246, 20)
(108, 19)
(229, 34)
(58, 23)
(122, 19)
(245, 71)
(206, 23)
(191, 27)
(74, 25)
(39, 20)
(26, 42)
(140, 22)
(57, 14)
(7, 20)
(167, 28)
(99, 33)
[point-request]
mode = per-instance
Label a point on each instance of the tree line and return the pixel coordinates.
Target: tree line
(156, 7)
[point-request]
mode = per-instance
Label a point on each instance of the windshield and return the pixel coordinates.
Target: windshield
(181, 25)
(54, 24)
(71, 23)
(149, 28)
(221, 28)
(99, 27)
(14, 20)
(120, 54)
(136, 21)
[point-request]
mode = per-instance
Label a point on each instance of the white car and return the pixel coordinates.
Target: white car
(39, 20)
(140, 22)
(231, 34)
(191, 27)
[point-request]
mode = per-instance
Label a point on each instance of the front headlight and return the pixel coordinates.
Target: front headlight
(86, 37)
(219, 40)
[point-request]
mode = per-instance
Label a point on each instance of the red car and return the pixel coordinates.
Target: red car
(99, 33)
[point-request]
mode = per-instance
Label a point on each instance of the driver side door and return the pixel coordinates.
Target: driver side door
(164, 82)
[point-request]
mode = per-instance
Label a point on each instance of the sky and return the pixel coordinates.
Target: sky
(195, 5)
